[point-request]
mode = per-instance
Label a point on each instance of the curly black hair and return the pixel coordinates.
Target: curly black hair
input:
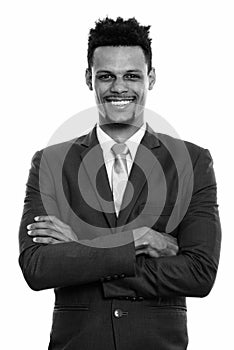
(109, 32)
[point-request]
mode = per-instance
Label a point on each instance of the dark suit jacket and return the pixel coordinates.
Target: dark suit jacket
(105, 297)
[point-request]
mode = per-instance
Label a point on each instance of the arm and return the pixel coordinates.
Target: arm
(193, 270)
(70, 263)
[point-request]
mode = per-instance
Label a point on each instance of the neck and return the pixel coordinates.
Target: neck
(120, 132)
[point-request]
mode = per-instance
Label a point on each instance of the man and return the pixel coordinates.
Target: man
(121, 222)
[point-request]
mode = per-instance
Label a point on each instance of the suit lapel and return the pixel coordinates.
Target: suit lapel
(93, 162)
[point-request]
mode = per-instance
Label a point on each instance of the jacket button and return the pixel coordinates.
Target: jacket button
(116, 277)
(122, 275)
(118, 313)
(108, 278)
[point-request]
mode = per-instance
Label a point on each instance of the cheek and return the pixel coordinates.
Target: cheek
(99, 91)
(142, 95)
(140, 89)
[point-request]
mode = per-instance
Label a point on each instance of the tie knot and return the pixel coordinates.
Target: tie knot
(120, 149)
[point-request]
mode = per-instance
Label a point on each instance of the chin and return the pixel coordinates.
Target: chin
(121, 119)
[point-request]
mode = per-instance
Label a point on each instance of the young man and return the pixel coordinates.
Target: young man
(121, 222)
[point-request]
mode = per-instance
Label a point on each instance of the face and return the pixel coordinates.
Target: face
(120, 80)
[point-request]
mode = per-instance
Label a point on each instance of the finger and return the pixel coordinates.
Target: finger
(48, 233)
(164, 241)
(50, 218)
(172, 246)
(168, 252)
(143, 245)
(158, 242)
(41, 225)
(46, 240)
(153, 253)
(148, 251)
(55, 225)
(140, 251)
(170, 239)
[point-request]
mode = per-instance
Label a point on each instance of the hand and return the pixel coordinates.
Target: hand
(153, 243)
(50, 230)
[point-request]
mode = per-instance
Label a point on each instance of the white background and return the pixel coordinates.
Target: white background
(43, 59)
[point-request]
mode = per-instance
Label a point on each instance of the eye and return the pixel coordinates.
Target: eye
(132, 76)
(105, 77)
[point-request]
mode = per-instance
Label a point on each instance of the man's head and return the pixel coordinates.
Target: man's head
(120, 68)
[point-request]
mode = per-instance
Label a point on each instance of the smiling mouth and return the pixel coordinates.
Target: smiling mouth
(120, 102)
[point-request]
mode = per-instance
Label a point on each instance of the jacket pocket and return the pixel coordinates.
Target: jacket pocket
(78, 307)
(167, 313)
(169, 307)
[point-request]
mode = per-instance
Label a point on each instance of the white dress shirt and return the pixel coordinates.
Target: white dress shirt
(106, 142)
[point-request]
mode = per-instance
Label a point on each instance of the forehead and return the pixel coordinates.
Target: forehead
(113, 58)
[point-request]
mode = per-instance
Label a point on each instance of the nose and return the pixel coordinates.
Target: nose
(119, 86)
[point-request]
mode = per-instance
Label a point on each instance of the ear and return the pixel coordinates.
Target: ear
(88, 78)
(152, 78)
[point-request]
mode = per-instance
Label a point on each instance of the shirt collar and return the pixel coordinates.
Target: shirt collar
(106, 142)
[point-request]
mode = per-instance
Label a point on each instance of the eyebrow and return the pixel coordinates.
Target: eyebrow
(128, 71)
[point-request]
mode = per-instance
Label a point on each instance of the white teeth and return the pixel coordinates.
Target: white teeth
(121, 103)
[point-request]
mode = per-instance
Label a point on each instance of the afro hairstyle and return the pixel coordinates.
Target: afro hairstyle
(119, 32)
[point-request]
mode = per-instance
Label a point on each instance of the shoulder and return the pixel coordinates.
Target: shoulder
(176, 145)
(60, 150)
(190, 157)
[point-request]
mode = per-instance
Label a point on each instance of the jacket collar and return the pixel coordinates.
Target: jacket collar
(150, 139)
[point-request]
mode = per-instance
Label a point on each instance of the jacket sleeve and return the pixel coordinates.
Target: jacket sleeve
(193, 270)
(66, 264)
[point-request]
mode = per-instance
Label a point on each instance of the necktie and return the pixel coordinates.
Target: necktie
(119, 173)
